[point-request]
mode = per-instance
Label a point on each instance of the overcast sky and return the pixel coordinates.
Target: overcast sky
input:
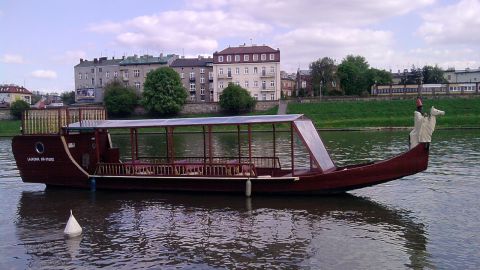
(41, 41)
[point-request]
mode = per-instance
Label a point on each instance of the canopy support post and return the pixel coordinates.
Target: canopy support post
(274, 147)
(132, 146)
(239, 145)
(204, 151)
(136, 143)
(292, 142)
(250, 147)
(97, 145)
(210, 150)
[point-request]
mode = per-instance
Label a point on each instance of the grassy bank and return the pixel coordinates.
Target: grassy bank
(10, 127)
(459, 113)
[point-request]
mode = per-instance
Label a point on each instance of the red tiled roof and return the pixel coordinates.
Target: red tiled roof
(247, 49)
(8, 88)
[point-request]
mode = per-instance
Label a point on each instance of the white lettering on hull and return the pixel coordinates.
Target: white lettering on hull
(40, 159)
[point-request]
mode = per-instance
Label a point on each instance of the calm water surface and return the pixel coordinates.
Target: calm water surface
(429, 220)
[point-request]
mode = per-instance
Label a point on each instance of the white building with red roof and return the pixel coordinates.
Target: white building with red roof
(255, 68)
(10, 93)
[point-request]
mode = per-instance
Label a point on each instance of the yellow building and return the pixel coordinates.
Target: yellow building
(10, 93)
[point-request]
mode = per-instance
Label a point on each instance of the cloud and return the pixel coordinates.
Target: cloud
(304, 13)
(196, 31)
(302, 46)
(71, 56)
(453, 24)
(44, 74)
(12, 59)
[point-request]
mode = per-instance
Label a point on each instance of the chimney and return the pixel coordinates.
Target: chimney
(113, 57)
(81, 60)
(161, 55)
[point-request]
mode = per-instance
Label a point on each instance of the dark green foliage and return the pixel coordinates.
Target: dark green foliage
(18, 107)
(68, 97)
(324, 77)
(234, 99)
(163, 93)
(433, 74)
(119, 100)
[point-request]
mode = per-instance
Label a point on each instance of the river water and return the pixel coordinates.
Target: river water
(428, 220)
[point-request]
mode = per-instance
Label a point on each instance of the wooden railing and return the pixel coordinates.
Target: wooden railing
(51, 121)
(259, 162)
(177, 169)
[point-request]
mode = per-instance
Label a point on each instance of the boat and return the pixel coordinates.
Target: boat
(72, 147)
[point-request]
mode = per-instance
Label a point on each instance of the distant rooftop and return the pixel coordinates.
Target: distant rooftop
(102, 61)
(148, 59)
(248, 49)
(11, 88)
(191, 62)
(304, 72)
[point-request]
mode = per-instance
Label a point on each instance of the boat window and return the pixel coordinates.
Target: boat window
(39, 147)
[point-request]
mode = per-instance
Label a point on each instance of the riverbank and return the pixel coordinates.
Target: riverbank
(388, 114)
(353, 115)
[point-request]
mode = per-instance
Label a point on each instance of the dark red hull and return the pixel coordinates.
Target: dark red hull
(61, 166)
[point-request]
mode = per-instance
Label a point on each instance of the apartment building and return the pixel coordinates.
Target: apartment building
(10, 93)
(287, 83)
(197, 77)
(304, 83)
(92, 76)
(255, 68)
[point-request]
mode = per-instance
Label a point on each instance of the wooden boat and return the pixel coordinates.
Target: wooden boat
(73, 148)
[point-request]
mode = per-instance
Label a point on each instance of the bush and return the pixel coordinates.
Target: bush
(119, 100)
(18, 107)
(163, 92)
(235, 99)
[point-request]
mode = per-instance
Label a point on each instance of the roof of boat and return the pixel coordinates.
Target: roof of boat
(176, 122)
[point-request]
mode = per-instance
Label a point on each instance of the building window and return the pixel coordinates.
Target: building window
(220, 58)
(237, 83)
(202, 90)
(246, 84)
(125, 74)
(272, 70)
(304, 84)
(192, 75)
(101, 82)
(115, 74)
(237, 70)
(92, 70)
(192, 87)
(272, 56)
(220, 71)
(182, 75)
(93, 82)
(264, 96)
(272, 83)
(246, 57)
(107, 74)
(202, 71)
(192, 97)
(99, 69)
(229, 58)
(255, 70)
(202, 79)
(255, 84)
(229, 72)
(245, 71)
(210, 75)
(263, 71)
(263, 57)
(272, 96)
(237, 58)
(220, 85)
(79, 76)
(264, 85)
(255, 57)
(137, 85)
(255, 96)
(136, 73)
(86, 76)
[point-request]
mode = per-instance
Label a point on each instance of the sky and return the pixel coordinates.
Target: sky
(42, 41)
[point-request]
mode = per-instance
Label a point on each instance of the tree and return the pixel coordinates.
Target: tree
(324, 76)
(18, 107)
(376, 76)
(352, 73)
(68, 97)
(432, 74)
(235, 99)
(119, 100)
(163, 92)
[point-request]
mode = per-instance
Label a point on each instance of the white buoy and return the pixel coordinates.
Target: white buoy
(248, 188)
(73, 228)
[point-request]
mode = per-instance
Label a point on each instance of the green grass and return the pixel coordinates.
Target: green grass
(459, 112)
(10, 127)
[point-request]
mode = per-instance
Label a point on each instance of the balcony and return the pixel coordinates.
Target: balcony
(225, 76)
(192, 79)
(267, 88)
(265, 74)
(210, 79)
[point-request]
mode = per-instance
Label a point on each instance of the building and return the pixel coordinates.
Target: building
(92, 76)
(197, 77)
(462, 76)
(255, 68)
(134, 69)
(287, 83)
(10, 93)
(304, 86)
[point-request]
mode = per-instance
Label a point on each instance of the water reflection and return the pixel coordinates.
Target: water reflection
(137, 230)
